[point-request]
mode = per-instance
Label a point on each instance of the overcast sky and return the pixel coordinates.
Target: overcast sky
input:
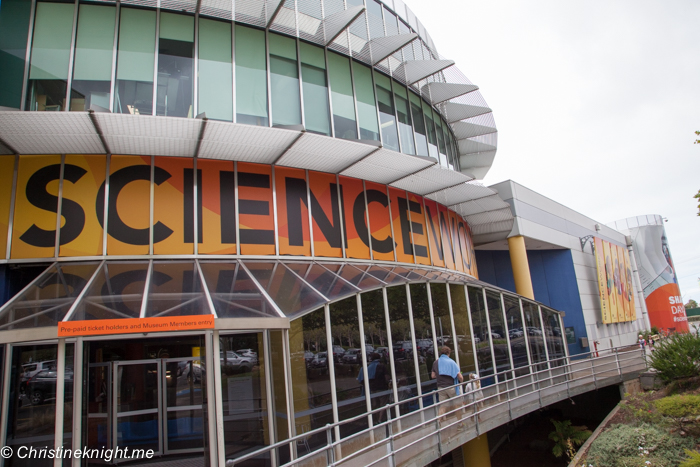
(596, 103)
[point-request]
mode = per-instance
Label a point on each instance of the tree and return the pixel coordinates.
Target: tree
(691, 304)
(566, 436)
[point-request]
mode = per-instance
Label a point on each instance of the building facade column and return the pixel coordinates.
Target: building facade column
(476, 452)
(521, 267)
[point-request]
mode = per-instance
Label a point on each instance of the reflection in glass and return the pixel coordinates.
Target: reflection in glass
(516, 333)
(462, 328)
(342, 96)
(251, 77)
(311, 386)
(534, 333)
(418, 125)
(244, 392)
(347, 357)
(233, 292)
(175, 66)
(379, 369)
(51, 43)
(424, 336)
(315, 86)
(328, 284)
(284, 81)
(46, 302)
(403, 112)
(14, 24)
(440, 138)
(135, 62)
(116, 293)
(501, 351)
(176, 290)
(92, 71)
(403, 347)
(553, 334)
(386, 112)
(279, 391)
(481, 330)
(430, 128)
(215, 72)
(290, 293)
(366, 105)
(361, 280)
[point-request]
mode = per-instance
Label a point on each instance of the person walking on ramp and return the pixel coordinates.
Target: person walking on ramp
(447, 373)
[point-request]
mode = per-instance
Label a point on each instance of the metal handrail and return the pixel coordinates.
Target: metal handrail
(566, 370)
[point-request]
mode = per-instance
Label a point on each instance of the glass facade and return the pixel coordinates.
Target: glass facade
(146, 62)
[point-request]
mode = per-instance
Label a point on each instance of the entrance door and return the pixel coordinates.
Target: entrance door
(183, 400)
(137, 405)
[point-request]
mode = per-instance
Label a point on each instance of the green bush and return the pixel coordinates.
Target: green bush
(679, 406)
(677, 357)
(618, 445)
(693, 459)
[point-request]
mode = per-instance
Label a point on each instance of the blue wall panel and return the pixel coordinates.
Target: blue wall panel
(553, 281)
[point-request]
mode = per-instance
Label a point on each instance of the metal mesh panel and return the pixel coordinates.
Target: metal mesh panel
(222, 9)
(310, 16)
(376, 25)
(250, 12)
(400, 9)
(341, 44)
(187, 6)
(332, 6)
(285, 22)
(141, 3)
(392, 27)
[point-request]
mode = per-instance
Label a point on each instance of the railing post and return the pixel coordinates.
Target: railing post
(617, 359)
(391, 444)
(595, 380)
(331, 448)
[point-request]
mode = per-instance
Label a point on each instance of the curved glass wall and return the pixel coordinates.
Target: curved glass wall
(143, 62)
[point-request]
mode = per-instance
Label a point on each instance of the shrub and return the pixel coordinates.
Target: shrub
(693, 459)
(566, 437)
(640, 409)
(679, 408)
(617, 446)
(677, 357)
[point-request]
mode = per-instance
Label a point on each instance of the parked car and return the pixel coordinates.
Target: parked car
(248, 353)
(31, 369)
(383, 352)
(42, 386)
(515, 333)
(533, 331)
(338, 353)
(423, 345)
(320, 360)
(403, 350)
(369, 348)
(352, 356)
(234, 363)
(308, 357)
(495, 335)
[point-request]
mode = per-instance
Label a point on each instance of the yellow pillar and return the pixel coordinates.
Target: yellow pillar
(476, 452)
(521, 268)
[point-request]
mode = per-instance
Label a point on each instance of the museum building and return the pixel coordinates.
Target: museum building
(217, 214)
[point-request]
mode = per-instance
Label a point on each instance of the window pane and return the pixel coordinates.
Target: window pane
(498, 332)
(135, 62)
(175, 66)
(176, 290)
(284, 81)
(424, 335)
(14, 24)
(386, 112)
(516, 332)
(215, 70)
(418, 125)
(555, 342)
(534, 333)
(311, 384)
(403, 112)
(403, 347)
(440, 138)
(251, 77)
(430, 127)
(462, 328)
(366, 106)
(379, 367)
(347, 357)
(233, 292)
(342, 97)
(481, 329)
(48, 73)
(313, 75)
(92, 73)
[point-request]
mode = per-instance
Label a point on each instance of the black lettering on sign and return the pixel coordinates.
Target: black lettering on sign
(436, 240)
(466, 254)
(254, 207)
(227, 206)
(445, 233)
(116, 227)
(330, 230)
(407, 226)
(380, 246)
(295, 195)
(38, 196)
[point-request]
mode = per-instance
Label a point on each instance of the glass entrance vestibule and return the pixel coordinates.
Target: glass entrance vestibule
(295, 345)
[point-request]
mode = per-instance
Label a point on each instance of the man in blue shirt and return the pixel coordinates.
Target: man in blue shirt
(447, 373)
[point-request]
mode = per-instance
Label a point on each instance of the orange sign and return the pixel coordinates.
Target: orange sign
(97, 327)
